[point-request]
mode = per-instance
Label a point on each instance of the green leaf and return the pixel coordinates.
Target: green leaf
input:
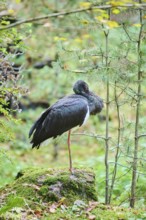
(12, 203)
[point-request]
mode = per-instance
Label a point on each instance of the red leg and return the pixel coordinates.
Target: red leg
(69, 150)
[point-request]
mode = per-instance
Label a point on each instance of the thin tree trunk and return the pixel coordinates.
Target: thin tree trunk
(135, 159)
(107, 125)
(118, 144)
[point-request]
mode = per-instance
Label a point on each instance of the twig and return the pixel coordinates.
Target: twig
(129, 168)
(30, 20)
(141, 135)
(122, 91)
(128, 34)
(91, 135)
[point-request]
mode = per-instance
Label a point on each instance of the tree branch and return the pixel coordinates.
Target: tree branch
(141, 135)
(104, 7)
(91, 135)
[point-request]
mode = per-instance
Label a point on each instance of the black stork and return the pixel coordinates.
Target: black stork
(65, 114)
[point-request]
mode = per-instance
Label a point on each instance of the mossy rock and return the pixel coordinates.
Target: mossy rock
(47, 185)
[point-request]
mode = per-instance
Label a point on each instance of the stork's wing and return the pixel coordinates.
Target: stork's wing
(61, 117)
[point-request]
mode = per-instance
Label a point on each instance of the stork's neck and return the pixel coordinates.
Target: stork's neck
(95, 103)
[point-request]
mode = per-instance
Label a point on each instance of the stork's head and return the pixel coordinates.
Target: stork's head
(81, 87)
(95, 102)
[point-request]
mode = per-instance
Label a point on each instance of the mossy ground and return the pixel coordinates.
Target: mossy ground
(52, 194)
(96, 211)
(37, 186)
(78, 210)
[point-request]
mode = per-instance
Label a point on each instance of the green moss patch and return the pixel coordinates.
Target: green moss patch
(48, 185)
(56, 194)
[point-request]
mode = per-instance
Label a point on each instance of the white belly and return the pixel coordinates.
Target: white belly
(86, 117)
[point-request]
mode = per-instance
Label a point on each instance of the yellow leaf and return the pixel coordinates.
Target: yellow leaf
(59, 38)
(84, 22)
(116, 3)
(56, 38)
(17, 1)
(97, 10)
(86, 36)
(78, 40)
(85, 4)
(11, 11)
(112, 24)
(116, 11)
(137, 25)
(129, 1)
(105, 15)
(63, 38)
(99, 18)
(102, 13)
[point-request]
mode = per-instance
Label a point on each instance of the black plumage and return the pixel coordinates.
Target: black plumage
(66, 113)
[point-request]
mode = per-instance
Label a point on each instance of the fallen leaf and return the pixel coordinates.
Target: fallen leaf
(32, 185)
(91, 217)
(91, 206)
(38, 213)
(53, 207)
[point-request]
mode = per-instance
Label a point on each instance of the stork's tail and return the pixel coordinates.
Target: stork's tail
(36, 128)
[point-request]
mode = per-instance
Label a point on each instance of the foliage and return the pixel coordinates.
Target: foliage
(79, 210)
(10, 90)
(12, 203)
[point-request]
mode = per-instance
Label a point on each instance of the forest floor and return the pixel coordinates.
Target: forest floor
(79, 210)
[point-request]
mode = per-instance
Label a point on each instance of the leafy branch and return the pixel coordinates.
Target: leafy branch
(141, 6)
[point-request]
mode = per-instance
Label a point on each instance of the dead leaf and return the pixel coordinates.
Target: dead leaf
(38, 213)
(47, 24)
(91, 217)
(91, 206)
(53, 207)
(32, 185)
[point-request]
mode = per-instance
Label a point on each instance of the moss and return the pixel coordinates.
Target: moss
(48, 195)
(38, 187)
(51, 185)
(100, 212)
